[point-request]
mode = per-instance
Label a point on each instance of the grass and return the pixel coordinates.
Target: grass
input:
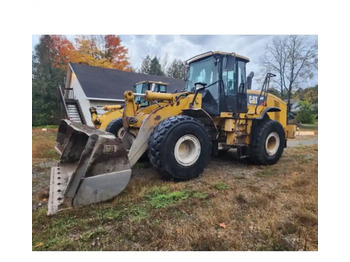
(308, 126)
(200, 195)
(46, 126)
(262, 207)
(221, 186)
(43, 143)
(161, 196)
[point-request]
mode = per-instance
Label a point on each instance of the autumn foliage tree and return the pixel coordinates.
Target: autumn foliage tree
(104, 51)
(62, 51)
(116, 53)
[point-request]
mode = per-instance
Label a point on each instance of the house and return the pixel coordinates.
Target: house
(88, 86)
(294, 105)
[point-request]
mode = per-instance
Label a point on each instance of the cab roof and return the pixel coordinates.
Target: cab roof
(152, 82)
(210, 53)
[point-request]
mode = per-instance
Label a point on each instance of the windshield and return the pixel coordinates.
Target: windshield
(141, 89)
(204, 71)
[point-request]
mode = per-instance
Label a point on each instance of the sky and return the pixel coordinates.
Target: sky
(169, 47)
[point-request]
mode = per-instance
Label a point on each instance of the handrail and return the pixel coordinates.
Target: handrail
(63, 100)
(81, 114)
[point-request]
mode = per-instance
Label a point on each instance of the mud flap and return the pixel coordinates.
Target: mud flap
(93, 167)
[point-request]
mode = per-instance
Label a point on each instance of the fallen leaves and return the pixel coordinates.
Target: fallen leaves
(39, 244)
(96, 242)
(76, 237)
(222, 224)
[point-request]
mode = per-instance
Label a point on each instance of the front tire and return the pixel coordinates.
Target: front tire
(180, 147)
(269, 143)
(116, 127)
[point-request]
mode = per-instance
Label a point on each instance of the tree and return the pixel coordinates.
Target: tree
(292, 59)
(47, 74)
(104, 51)
(146, 65)
(62, 51)
(116, 53)
(305, 114)
(155, 68)
(309, 94)
(275, 92)
(177, 69)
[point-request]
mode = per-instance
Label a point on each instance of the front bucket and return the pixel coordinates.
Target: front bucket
(94, 167)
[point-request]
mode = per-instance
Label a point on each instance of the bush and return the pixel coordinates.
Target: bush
(305, 114)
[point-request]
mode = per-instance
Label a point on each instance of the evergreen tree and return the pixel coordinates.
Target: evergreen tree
(45, 80)
(177, 69)
(155, 67)
(146, 65)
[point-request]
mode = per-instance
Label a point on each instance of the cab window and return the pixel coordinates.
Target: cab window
(162, 89)
(241, 77)
(228, 75)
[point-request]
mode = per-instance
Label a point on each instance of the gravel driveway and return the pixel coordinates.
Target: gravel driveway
(294, 143)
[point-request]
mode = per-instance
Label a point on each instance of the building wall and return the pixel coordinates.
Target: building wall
(85, 103)
(78, 94)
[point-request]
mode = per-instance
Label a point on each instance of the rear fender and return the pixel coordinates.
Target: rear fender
(268, 110)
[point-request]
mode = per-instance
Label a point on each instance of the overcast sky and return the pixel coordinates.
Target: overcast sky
(169, 47)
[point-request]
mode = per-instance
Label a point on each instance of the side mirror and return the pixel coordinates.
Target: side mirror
(199, 86)
(249, 81)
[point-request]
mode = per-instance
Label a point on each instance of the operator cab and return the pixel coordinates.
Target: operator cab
(143, 86)
(224, 77)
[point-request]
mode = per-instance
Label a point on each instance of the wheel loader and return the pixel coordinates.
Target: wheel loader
(215, 111)
(107, 121)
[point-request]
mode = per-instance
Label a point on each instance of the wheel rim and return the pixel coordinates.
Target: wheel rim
(187, 150)
(120, 132)
(272, 143)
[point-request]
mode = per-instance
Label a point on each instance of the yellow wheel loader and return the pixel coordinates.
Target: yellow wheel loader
(111, 120)
(215, 111)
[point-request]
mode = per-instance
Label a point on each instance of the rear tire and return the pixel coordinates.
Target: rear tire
(116, 127)
(180, 147)
(269, 143)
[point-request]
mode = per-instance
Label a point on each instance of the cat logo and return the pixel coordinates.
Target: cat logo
(253, 100)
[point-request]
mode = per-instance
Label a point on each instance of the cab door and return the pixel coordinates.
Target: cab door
(242, 103)
(235, 93)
